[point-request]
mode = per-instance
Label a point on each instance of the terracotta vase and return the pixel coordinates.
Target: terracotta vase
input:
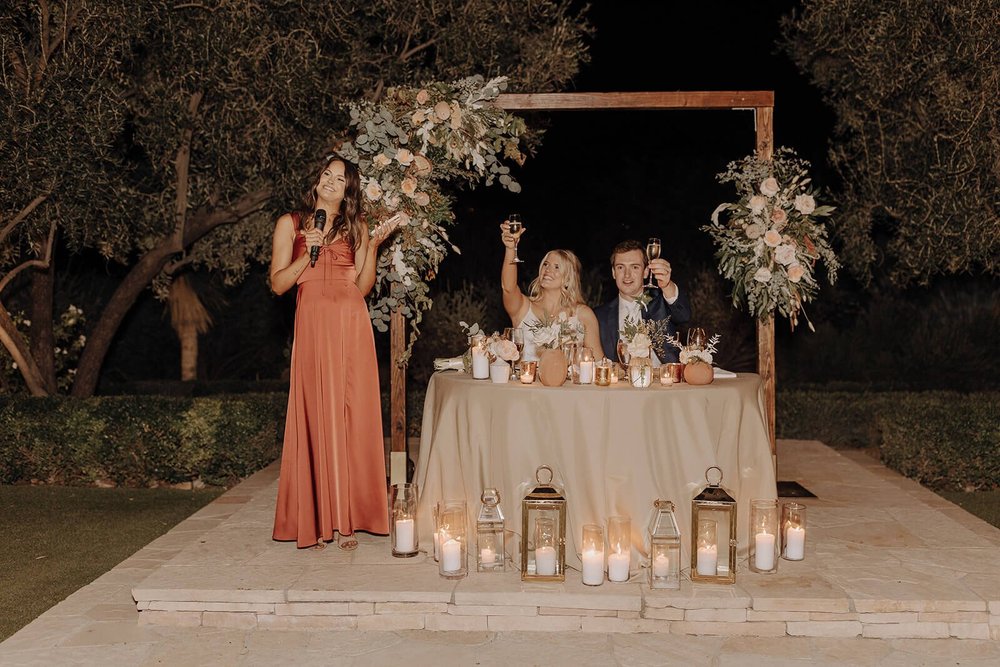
(698, 372)
(552, 366)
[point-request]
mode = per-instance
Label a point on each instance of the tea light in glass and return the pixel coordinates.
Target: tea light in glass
(763, 542)
(528, 370)
(593, 555)
(793, 531)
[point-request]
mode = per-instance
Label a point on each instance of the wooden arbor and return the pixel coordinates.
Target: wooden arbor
(761, 102)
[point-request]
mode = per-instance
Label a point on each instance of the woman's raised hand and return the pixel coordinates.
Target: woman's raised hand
(508, 238)
(385, 229)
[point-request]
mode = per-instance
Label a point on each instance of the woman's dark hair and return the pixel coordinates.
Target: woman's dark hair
(348, 218)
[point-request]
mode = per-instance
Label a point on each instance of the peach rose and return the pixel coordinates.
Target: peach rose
(769, 187)
(373, 191)
(456, 116)
(772, 238)
(423, 97)
(805, 204)
(778, 216)
(418, 118)
(795, 272)
(381, 161)
(421, 165)
(404, 157)
(757, 204)
(422, 199)
(442, 110)
(408, 186)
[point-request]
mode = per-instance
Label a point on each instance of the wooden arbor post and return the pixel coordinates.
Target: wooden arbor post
(761, 102)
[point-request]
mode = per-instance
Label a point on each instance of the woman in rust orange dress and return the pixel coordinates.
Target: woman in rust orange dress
(332, 465)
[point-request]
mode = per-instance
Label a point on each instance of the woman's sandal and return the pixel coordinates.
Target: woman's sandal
(347, 543)
(319, 546)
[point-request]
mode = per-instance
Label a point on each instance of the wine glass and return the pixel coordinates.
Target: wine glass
(652, 252)
(622, 350)
(697, 338)
(517, 337)
(515, 225)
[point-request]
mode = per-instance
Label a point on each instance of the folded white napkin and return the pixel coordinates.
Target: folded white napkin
(453, 364)
(720, 373)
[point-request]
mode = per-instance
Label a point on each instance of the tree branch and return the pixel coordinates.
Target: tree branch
(38, 263)
(182, 164)
(24, 213)
(12, 340)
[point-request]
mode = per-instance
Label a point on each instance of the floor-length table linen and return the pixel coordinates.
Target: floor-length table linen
(614, 449)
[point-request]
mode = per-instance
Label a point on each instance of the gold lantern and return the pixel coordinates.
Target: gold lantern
(543, 530)
(713, 533)
(664, 547)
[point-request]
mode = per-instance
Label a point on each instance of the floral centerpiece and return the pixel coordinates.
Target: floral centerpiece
(554, 332)
(697, 360)
(642, 336)
(405, 146)
(501, 349)
(773, 236)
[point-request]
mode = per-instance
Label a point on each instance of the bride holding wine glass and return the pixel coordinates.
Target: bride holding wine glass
(554, 295)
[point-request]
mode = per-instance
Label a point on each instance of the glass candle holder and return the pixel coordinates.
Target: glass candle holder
(528, 370)
(602, 373)
(708, 548)
(480, 358)
(793, 531)
(453, 535)
(764, 536)
(435, 513)
(675, 371)
(585, 366)
(490, 544)
(593, 555)
(619, 548)
(403, 528)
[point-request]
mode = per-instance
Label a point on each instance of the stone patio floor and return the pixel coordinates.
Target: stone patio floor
(893, 575)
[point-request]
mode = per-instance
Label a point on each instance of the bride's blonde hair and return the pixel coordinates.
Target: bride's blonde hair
(569, 291)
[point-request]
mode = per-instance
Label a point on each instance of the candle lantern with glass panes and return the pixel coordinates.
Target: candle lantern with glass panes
(490, 552)
(713, 532)
(543, 530)
(664, 547)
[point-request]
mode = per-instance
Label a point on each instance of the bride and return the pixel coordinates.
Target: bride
(553, 299)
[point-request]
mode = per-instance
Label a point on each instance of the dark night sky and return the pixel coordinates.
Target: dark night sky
(602, 176)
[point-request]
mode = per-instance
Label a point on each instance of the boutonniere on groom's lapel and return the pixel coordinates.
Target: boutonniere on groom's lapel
(643, 298)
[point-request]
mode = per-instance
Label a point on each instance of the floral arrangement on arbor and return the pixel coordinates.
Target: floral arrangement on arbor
(773, 236)
(553, 332)
(405, 146)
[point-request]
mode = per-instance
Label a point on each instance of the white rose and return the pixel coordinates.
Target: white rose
(785, 254)
(769, 187)
(805, 204)
(544, 336)
(763, 275)
(754, 231)
(639, 345)
(421, 199)
(757, 204)
(778, 216)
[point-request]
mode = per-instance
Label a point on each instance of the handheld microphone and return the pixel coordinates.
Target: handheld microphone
(319, 219)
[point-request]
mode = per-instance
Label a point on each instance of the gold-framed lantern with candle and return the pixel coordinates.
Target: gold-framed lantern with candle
(543, 530)
(713, 533)
(664, 547)
(490, 548)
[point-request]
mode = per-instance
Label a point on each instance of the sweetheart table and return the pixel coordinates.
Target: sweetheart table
(614, 450)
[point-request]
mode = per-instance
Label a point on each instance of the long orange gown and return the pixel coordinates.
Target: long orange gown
(333, 463)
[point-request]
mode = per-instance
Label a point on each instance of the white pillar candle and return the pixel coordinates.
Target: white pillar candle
(593, 567)
(586, 372)
(404, 535)
(708, 560)
(487, 556)
(618, 567)
(451, 555)
(795, 542)
(545, 561)
(763, 551)
(661, 566)
(480, 365)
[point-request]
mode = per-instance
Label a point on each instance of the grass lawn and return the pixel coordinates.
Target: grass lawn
(58, 539)
(984, 504)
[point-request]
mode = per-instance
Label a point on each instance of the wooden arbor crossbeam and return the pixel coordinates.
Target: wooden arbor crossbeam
(760, 101)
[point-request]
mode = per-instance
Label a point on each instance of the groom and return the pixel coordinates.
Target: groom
(628, 266)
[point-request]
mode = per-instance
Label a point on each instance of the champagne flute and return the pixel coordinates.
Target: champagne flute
(515, 225)
(517, 336)
(697, 338)
(652, 252)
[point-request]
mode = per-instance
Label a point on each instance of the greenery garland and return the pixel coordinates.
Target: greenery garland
(405, 147)
(774, 236)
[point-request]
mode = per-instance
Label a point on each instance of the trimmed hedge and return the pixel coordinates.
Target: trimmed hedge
(139, 440)
(944, 440)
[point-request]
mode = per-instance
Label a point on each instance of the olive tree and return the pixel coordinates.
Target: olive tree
(917, 143)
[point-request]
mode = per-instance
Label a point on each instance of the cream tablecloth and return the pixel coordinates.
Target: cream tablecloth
(614, 449)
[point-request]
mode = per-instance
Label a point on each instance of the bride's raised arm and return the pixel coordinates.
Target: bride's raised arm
(514, 300)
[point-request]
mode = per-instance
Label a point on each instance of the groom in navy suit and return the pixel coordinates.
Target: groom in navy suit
(629, 268)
